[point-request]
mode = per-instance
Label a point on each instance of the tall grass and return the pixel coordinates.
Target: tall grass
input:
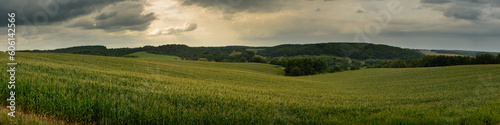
(113, 90)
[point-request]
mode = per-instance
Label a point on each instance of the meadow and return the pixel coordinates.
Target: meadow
(115, 90)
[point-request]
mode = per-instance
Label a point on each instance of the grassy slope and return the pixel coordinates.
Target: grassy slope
(153, 91)
(150, 55)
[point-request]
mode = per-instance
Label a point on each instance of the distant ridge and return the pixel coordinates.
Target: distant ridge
(351, 50)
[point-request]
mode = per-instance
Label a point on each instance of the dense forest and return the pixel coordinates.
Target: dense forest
(309, 66)
(359, 51)
(464, 52)
(434, 61)
(218, 54)
(91, 50)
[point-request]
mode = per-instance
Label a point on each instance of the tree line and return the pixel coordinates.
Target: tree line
(359, 51)
(309, 66)
(92, 50)
(434, 61)
(217, 54)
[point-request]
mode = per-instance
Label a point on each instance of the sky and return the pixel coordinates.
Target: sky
(416, 24)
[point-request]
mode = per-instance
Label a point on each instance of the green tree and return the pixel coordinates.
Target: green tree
(485, 59)
(295, 72)
(274, 62)
(337, 69)
(498, 59)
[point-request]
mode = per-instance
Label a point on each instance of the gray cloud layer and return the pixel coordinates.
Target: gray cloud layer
(235, 6)
(174, 29)
(117, 17)
(53, 10)
(472, 10)
(435, 1)
(121, 15)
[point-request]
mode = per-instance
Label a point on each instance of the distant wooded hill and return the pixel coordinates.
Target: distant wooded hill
(91, 50)
(464, 52)
(359, 51)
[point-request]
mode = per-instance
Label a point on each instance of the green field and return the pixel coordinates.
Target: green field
(150, 55)
(117, 90)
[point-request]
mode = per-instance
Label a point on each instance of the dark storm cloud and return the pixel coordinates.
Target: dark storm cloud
(42, 12)
(435, 1)
(48, 12)
(472, 10)
(118, 17)
(104, 16)
(463, 13)
(235, 6)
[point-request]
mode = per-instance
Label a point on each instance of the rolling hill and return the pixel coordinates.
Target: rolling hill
(117, 90)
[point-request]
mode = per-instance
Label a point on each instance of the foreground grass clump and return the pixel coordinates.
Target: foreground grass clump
(114, 90)
(28, 119)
